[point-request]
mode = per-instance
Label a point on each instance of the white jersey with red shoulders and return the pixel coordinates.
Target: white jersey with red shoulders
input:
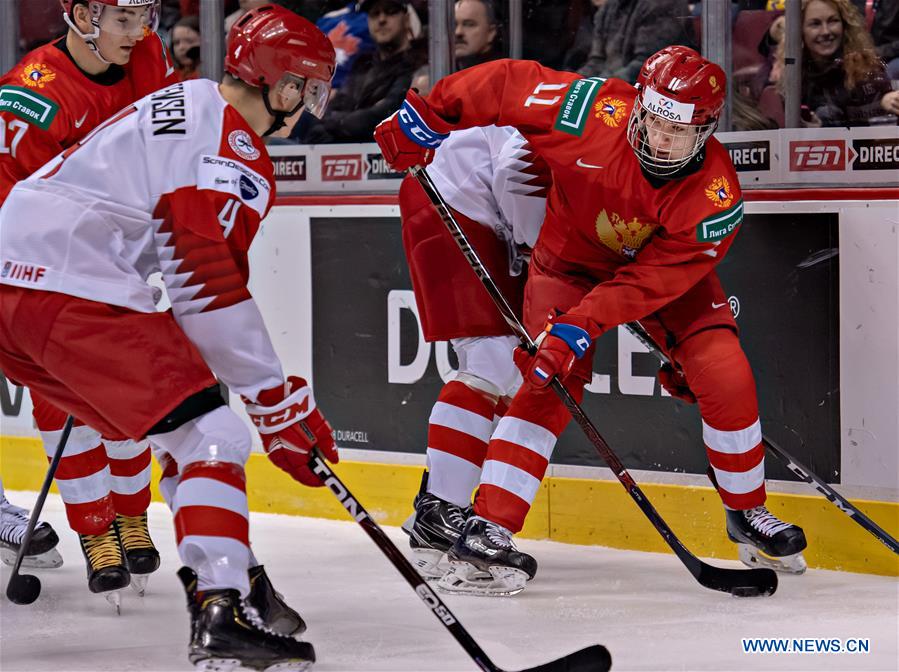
(604, 217)
(47, 103)
(178, 183)
(490, 174)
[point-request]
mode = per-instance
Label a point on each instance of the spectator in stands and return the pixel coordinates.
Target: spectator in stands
(477, 37)
(767, 47)
(885, 33)
(186, 47)
(844, 83)
(627, 32)
(377, 84)
(347, 28)
(582, 40)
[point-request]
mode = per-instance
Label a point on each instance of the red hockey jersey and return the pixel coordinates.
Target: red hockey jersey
(646, 244)
(47, 103)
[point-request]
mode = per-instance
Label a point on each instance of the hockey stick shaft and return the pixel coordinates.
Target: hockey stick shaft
(591, 659)
(803, 472)
(764, 581)
(41, 498)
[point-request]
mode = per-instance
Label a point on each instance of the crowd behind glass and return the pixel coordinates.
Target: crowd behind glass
(849, 74)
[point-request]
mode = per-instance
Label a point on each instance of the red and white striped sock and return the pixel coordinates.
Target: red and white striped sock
(129, 465)
(83, 479)
(458, 431)
(518, 455)
(737, 457)
(212, 524)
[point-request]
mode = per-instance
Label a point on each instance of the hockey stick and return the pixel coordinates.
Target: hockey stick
(595, 658)
(738, 582)
(26, 588)
(803, 472)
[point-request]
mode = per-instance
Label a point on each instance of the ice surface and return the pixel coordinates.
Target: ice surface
(362, 615)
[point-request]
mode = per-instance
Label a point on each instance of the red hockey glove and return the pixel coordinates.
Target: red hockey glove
(564, 340)
(675, 382)
(290, 426)
(411, 134)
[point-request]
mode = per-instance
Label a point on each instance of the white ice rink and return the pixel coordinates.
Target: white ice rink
(362, 615)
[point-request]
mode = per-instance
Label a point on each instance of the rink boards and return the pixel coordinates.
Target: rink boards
(812, 280)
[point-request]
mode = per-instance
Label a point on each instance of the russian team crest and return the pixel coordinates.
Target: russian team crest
(610, 110)
(36, 75)
(623, 236)
(719, 192)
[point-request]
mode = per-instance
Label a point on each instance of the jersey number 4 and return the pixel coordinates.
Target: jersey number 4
(16, 130)
(228, 214)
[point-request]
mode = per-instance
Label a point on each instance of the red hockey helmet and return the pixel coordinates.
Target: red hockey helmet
(120, 17)
(680, 97)
(270, 46)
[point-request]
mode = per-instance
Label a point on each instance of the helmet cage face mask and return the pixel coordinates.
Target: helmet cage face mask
(662, 135)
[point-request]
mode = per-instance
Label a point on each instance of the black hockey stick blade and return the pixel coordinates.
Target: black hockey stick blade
(25, 588)
(594, 658)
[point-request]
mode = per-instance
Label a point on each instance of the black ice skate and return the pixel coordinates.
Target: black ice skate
(141, 555)
(432, 530)
(41, 552)
(484, 561)
(764, 541)
(227, 634)
(275, 613)
(270, 604)
(106, 570)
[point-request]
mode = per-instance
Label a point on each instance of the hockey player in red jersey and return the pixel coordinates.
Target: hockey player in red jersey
(644, 204)
(178, 182)
(55, 96)
(496, 187)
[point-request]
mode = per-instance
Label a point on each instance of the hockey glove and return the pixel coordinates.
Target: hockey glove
(290, 426)
(411, 134)
(563, 341)
(675, 382)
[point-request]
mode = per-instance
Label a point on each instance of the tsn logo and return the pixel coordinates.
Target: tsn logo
(817, 155)
(342, 167)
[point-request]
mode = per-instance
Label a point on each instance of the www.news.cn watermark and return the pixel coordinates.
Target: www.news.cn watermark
(805, 645)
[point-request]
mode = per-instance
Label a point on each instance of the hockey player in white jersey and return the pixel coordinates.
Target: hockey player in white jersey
(177, 182)
(497, 189)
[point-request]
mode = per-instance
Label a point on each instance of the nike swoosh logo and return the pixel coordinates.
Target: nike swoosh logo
(81, 121)
(587, 165)
(718, 305)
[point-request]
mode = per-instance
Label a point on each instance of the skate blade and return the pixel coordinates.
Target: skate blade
(788, 564)
(114, 597)
(139, 583)
(234, 665)
(430, 563)
(463, 578)
(48, 560)
(407, 525)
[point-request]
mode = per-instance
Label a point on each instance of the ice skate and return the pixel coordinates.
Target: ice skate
(432, 530)
(228, 634)
(484, 561)
(764, 541)
(141, 555)
(270, 604)
(106, 570)
(41, 552)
